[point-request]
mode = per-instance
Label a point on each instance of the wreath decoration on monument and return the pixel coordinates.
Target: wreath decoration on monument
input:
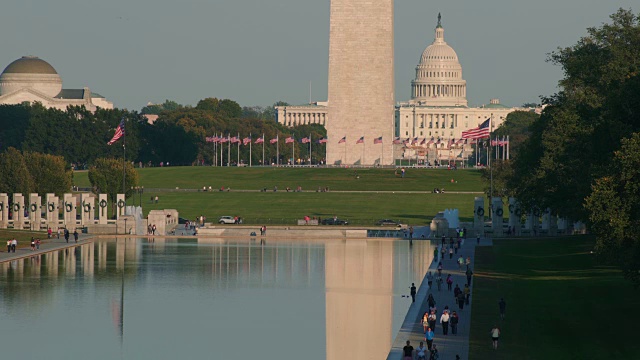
(52, 207)
(120, 203)
(103, 203)
(16, 207)
(68, 207)
(87, 207)
(480, 211)
(499, 212)
(34, 207)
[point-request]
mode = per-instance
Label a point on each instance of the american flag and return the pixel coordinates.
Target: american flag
(414, 141)
(343, 140)
(260, 140)
(360, 141)
(460, 142)
(424, 141)
(119, 133)
(322, 140)
(274, 140)
(406, 141)
(305, 140)
(452, 141)
(222, 139)
(431, 141)
(246, 140)
(234, 140)
(377, 140)
(482, 131)
(210, 139)
(289, 140)
(397, 141)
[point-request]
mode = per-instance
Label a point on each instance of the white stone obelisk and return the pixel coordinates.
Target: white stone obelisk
(361, 82)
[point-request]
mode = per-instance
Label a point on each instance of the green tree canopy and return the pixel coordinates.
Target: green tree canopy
(50, 173)
(14, 173)
(106, 178)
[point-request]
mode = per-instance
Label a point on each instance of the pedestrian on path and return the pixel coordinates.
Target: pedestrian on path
(449, 282)
(478, 239)
(443, 252)
(413, 292)
(439, 282)
(467, 294)
(9, 245)
(444, 239)
(444, 321)
(425, 321)
(428, 337)
(14, 244)
(75, 235)
(432, 320)
(454, 323)
(469, 274)
(434, 353)
(460, 297)
(421, 352)
(33, 244)
(495, 335)
(456, 246)
(440, 268)
(450, 253)
(429, 279)
(408, 351)
(38, 244)
(431, 301)
(460, 262)
(503, 307)
(66, 234)
(48, 232)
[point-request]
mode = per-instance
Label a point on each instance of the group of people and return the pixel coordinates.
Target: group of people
(35, 244)
(67, 235)
(12, 244)
(151, 229)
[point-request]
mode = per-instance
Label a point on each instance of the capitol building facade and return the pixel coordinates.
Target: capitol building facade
(433, 119)
(31, 79)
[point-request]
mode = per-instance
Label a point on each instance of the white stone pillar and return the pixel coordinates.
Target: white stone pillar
(4, 210)
(70, 211)
(553, 225)
(478, 215)
(515, 213)
(35, 211)
(18, 211)
(496, 217)
(120, 205)
(545, 220)
(53, 211)
(103, 209)
(86, 209)
(562, 225)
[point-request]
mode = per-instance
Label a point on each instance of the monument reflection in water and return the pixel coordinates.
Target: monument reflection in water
(215, 298)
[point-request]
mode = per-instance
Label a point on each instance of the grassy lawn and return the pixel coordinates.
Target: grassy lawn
(23, 237)
(285, 208)
(560, 303)
(195, 177)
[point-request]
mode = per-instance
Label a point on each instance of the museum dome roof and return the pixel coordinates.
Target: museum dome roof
(29, 65)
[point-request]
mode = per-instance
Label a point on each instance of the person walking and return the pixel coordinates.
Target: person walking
(460, 262)
(454, 323)
(469, 274)
(425, 321)
(9, 246)
(467, 293)
(434, 353)
(478, 239)
(48, 233)
(407, 351)
(439, 282)
(75, 235)
(38, 244)
(450, 253)
(410, 232)
(428, 337)
(33, 244)
(431, 301)
(449, 282)
(66, 234)
(460, 297)
(444, 321)
(503, 307)
(421, 352)
(444, 239)
(429, 279)
(495, 335)
(440, 268)
(432, 320)
(413, 292)
(14, 244)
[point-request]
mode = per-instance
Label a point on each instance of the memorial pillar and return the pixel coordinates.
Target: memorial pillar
(546, 221)
(86, 207)
(515, 213)
(478, 215)
(103, 209)
(35, 211)
(53, 211)
(120, 205)
(4, 210)
(553, 224)
(70, 211)
(18, 211)
(562, 225)
(496, 217)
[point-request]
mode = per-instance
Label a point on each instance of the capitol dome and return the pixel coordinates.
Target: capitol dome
(30, 72)
(438, 80)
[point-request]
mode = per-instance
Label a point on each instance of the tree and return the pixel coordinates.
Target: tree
(14, 174)
(614, 208)
(516, 126)
(573, 142)
(106, 178)
(50, 173)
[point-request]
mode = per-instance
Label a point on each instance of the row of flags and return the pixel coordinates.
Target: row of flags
(260, 140)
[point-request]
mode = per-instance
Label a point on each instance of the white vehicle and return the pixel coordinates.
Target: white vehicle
(226, 220)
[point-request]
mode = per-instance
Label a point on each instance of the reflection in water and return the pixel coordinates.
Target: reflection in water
(214, 295)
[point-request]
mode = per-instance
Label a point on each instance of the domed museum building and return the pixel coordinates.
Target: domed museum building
(31, 79)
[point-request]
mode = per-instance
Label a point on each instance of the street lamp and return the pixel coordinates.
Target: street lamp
(141, 193)
(134, 195)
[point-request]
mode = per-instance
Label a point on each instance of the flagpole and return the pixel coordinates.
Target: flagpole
(508, 146)
(263, 149)
(345, 150)
(124, 162)
(278, 149)
(310, 149)
(293, 152)
(229, 150)
(238, 138)
(250, 141)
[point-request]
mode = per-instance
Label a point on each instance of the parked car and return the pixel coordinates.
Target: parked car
(334, 221)
(387, 222)
(227, 220)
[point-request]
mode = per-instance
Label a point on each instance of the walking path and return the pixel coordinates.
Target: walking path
(450, 345)
(46, 246)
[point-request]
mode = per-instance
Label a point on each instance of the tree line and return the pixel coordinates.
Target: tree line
(581, 158)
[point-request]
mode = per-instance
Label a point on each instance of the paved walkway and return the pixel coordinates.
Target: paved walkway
(450, 345)
(46, 246)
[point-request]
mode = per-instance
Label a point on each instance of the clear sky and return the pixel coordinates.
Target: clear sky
(257, 52)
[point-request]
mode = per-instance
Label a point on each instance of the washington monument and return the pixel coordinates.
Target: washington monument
(361, 83)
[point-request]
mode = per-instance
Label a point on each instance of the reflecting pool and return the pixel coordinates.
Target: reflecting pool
(210, 298)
